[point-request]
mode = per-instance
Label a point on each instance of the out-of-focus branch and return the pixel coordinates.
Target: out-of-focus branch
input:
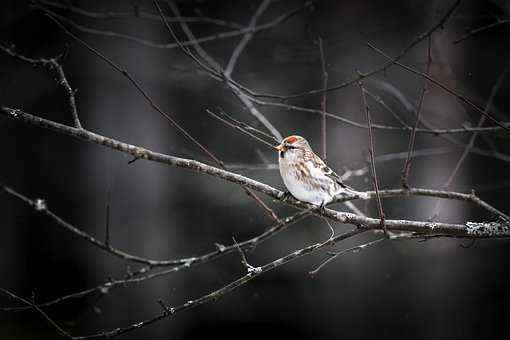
(481, 29)
(137, 13)
(238, 91)
(451, 91)
(324, 99)
(382, 103)
(471, 142)
(473, 137)
(213, 37)
(361, 76)
(246, 37)
(410, 148)
(464, 129)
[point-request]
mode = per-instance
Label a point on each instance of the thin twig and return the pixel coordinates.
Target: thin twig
(244, 260)
(381, 102)
(238, 90)
(475, 31)
(473, 137)
(221, 292)
(324, 98)
(138, 87)
(53, 64)
(246, 37)
(471, 142)
(217, 70)
(338, 117)
(407, 164)
(371, 153)
(137, 13)
(181, 264)
(336, 254)
(222, 118)
(213, 37)
(360, 76)
(40, 311)
(457, 95)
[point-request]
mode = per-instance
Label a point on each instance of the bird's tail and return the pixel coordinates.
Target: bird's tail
(351, 191)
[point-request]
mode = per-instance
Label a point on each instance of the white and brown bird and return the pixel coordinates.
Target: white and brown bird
(307, 177)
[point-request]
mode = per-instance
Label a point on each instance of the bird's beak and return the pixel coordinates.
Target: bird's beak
(280, 147)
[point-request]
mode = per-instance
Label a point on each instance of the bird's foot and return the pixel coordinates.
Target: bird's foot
(286, 195)
(322, 207)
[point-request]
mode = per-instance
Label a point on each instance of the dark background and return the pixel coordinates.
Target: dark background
(402, 289)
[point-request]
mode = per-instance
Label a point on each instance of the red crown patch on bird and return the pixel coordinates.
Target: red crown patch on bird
(290, 139)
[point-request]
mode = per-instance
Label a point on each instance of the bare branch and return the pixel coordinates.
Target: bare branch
(481, 29)
(361, 76)
(335, 254)
(410, 148)
(181, 264)
(214, 37)
(472, 139)
(237, 89)
(371, 154)
(459, 96)
(324, 98)
(219, 293)
(471, 142)
(244, 260)
(337, 117)
(137, 13)
(246, 38)
(53, 64)
(173, 161)
(39, 310)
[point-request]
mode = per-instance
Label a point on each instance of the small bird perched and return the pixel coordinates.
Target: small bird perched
(307, 177)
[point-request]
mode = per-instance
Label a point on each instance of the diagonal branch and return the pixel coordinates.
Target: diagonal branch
(181, 264)
(143, 153)
(39, 310)
(324, 99)
(246, 38)
(475, 31)
(238, 90)
(136, 13)
(410, 148)
(360, 76)
(457, 95)
(371, 154)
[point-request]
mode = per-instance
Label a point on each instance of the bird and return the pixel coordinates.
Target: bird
(307, 177)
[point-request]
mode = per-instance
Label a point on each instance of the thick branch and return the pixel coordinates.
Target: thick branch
(143, 153)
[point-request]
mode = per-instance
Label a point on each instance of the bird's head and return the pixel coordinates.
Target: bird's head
(293, 142)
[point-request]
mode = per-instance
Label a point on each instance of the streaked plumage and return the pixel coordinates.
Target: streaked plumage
(306, 176)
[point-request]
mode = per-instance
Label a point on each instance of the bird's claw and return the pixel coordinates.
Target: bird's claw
(286, 195)
(322, 208)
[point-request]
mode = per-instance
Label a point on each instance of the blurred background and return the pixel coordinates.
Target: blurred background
(402, 289)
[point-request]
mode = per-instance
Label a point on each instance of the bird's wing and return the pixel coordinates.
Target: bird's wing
(326, 170)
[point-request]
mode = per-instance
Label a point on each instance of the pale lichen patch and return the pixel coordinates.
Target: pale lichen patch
(500, 228)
